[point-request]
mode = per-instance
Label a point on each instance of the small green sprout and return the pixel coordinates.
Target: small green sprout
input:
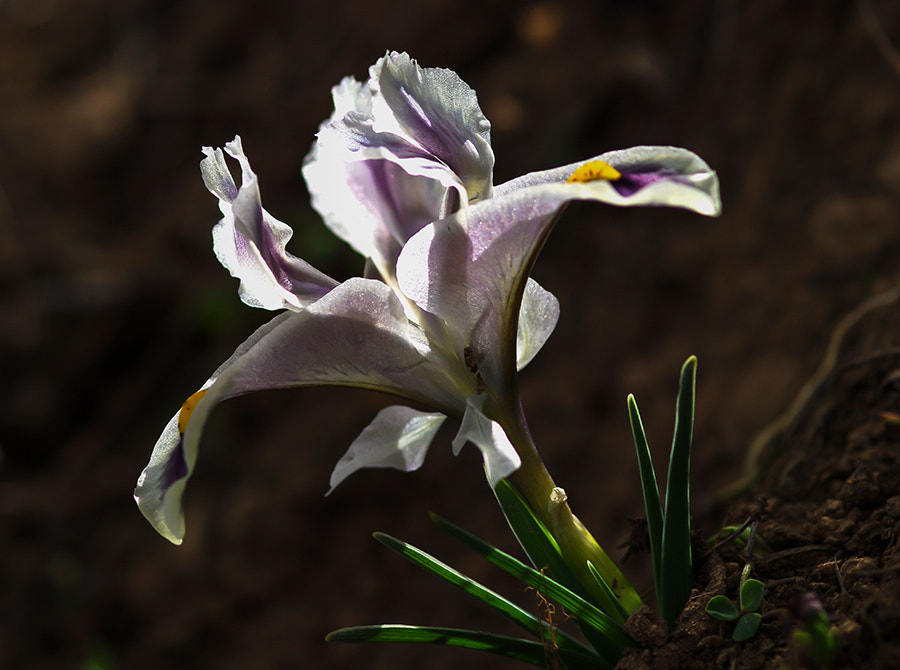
(748, 619)
(814, 636)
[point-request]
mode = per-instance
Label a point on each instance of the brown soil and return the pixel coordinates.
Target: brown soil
(832, 521)
(115, 310)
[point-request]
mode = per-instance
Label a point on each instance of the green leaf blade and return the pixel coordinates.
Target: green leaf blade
(652, 505)
(495, 601)
(609, 640)
(620, 609)
(676, 574)
(527, 651)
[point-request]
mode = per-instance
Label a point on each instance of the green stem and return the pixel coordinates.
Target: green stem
(549, 504)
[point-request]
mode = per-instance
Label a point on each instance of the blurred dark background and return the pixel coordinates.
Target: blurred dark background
(115, 309)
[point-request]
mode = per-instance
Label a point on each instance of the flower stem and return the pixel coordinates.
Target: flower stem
(549, 504)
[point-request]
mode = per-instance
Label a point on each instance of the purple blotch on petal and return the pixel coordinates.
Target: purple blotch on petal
(632, 182)
(176, 466)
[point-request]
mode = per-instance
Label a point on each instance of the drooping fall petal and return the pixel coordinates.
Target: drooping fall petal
(647, 175)
(470, 269)
(357, 335)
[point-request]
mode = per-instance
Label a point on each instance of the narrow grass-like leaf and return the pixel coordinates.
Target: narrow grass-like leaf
(722, 608)
(751, 595)
(492, 599)
(652, 505)
(510, 647)
(539, 545)
(676, 575)
(611, 640)
(620, 610)
(746, 627)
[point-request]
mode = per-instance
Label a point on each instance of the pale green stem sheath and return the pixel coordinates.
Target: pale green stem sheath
(548, 502)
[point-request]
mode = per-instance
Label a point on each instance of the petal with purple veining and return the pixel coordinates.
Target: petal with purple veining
(470, 269)
(250, 242)
(357, 335)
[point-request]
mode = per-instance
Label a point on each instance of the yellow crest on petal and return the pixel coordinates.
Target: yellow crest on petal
(593, 171)
(188, 408)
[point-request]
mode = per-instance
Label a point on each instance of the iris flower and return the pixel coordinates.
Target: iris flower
(446, 312)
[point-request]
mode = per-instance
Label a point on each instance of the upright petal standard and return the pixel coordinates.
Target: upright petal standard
(447, 314)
